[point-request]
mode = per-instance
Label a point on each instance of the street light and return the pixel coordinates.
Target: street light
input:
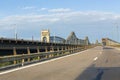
(117, 29)
(15, 31)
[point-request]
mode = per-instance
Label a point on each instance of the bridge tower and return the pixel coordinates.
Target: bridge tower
(45, 36)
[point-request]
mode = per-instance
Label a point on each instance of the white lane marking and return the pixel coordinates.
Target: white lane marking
(95, 58)
(40, 63)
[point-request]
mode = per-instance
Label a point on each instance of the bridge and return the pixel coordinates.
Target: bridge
(109, 42)
(72, 59)
(17, 52)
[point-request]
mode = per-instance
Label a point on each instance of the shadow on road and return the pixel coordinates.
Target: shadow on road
(108, 48)
(100, 73)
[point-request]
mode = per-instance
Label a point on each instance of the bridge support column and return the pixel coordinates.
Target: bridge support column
(38, 51)
(52, 50)
(78, 48)
(65, 49)
(46, 50)
(71, 49)
(23, 62)
(62, 50)
(14, 53)
(74, 49)
(58, 51)
(28, 51)
(68, 50)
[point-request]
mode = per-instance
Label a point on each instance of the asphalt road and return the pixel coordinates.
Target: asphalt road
(93, 64)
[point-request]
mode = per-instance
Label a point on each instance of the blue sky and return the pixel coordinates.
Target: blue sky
(93, 18)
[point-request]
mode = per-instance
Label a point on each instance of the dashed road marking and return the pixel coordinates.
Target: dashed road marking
(95, 58)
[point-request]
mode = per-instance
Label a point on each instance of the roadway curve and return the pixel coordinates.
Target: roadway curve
(93, 64)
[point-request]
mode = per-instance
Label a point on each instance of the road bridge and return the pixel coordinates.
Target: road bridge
(19, 51)
(109, 42)
(93, 64)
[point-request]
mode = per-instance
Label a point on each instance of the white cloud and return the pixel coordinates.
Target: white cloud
(28, 7)
(76, 17)
(60, 10)
(42, 9)
(67, 21)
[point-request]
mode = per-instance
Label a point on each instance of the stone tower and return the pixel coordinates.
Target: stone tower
(45, 36)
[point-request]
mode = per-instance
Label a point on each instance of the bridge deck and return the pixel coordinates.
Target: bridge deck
(68, 68)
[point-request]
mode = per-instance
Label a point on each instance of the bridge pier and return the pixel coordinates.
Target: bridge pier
(58, 49)
(14, 53)
(62, 50)
(52, 50)
(23, 62)
(46, 50)
(38, 51)
(28, 52)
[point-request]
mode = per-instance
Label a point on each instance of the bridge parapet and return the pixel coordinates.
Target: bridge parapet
(22, 59)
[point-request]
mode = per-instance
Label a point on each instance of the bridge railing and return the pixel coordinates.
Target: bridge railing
(24, 59)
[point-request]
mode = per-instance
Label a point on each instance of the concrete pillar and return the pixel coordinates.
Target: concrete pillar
(71, 49)
(52, 50)
(62, 50)
(74, 48)
(38, 51)
(58, 51)
(23, 62)
(46, 50)
(28, 51)
(14, 53)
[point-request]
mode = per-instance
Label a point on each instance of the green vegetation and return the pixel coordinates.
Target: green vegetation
(5, 64)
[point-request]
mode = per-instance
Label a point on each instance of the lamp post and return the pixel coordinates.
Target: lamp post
(15, 31)
(116, 31)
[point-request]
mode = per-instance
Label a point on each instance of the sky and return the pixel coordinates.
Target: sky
(93, 18)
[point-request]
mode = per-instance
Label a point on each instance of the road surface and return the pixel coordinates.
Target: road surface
(93, 64)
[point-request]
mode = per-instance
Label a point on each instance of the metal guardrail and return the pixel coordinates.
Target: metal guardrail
(26, 59)
(42, 56)
(26, 56)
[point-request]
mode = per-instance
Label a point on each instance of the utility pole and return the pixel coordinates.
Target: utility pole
(32, 38)
(15, 31)
(54, 38)
(117, 29)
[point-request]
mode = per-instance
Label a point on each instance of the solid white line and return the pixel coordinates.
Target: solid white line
(95, 58)
(40, 63)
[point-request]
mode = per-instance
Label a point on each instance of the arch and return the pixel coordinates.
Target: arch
(45, 36)
(44, 39)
